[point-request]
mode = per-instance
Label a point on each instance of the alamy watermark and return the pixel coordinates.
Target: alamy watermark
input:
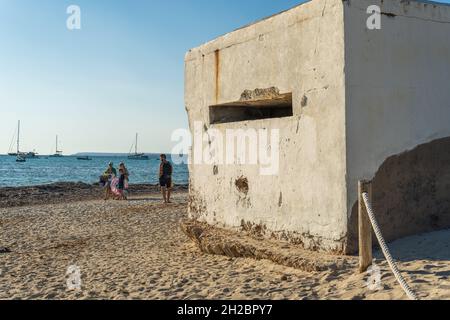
(374, 20)
(373, 283)
(73, 278)
(73, 22)
(210, 146)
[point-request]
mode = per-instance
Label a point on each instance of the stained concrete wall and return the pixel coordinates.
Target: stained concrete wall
(397, 98)
(299, 51)
(361, 99)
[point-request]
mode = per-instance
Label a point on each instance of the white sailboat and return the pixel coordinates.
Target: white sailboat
(21, 156)
(58, 153)
(15, 154)
(136, 155)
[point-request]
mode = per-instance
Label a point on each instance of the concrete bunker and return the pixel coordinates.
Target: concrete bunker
(341, 106)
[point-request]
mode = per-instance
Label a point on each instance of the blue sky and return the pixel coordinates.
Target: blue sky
(120, 74)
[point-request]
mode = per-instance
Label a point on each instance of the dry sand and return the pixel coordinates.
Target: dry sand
(135, 250)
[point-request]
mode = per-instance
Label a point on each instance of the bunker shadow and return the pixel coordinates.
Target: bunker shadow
(411, 196)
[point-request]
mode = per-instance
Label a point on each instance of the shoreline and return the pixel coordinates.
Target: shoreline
(62, 192)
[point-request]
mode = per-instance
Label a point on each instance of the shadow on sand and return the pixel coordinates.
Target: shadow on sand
(433, 246)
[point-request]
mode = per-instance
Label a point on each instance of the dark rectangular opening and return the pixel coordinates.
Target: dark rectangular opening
(279, 107)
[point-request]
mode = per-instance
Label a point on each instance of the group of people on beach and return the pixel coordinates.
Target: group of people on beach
(117, 185)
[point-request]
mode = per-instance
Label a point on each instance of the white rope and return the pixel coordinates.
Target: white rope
(386, 251)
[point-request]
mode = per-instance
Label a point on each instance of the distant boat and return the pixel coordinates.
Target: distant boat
(84, 158)
(15, 154)
(29, 155)
(20, 159)
(58, 153)
(136, 155)
(18, 153)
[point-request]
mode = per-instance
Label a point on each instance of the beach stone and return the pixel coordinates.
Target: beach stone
(4, 250)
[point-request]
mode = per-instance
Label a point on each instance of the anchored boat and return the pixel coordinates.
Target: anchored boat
(15, 154)
(136, 155)
(58, 153)
(21, 155)
(84, 158)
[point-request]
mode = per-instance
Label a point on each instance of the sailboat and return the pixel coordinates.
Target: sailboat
(58, 153)
(136, 155)
(21, 156)
(15, 154)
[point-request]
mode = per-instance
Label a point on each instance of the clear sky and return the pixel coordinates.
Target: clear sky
(120, 74)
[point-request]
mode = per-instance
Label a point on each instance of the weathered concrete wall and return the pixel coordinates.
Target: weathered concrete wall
(361, 99)
(398, 97)
(300, 51)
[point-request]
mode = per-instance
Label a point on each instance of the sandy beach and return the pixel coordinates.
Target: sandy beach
(136, 250)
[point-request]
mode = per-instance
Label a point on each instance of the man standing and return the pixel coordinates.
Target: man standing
(165, 178)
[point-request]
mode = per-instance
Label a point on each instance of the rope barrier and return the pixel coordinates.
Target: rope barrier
(385, 249)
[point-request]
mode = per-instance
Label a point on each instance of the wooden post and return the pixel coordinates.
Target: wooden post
(365, 227)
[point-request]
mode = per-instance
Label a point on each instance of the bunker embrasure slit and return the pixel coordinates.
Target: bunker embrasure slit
(252, 107)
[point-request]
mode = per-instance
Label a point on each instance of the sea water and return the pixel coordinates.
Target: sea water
(45, 170)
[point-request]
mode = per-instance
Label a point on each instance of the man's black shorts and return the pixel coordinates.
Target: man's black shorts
(165, 182)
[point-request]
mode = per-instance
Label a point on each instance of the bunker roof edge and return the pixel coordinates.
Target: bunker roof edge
(188, 53)
(245, 26)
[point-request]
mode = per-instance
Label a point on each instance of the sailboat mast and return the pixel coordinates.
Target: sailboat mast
(18, 137)
(56, 143)
(135, 146)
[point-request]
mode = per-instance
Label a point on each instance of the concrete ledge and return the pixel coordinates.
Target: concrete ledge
(212, 240)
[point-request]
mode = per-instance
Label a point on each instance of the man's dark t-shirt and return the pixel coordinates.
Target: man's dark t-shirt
(165, 170)
(165, 174)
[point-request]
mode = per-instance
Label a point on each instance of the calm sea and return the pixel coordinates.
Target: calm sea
(69, 169)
